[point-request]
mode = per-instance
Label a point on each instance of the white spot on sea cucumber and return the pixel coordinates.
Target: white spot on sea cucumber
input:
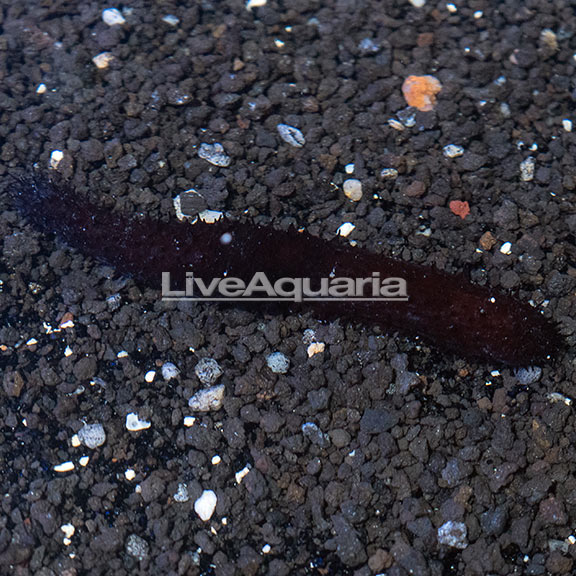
(226, 238)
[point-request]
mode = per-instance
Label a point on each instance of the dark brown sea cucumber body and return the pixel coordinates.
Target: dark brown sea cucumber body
(445, 310)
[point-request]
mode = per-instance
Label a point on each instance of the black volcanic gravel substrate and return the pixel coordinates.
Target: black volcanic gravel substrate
(400, 439)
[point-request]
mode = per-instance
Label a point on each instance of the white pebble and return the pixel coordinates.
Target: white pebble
(349, 168)
(122, 354)
(527, 169)
(452, 151)
(353, 189)
(389, 173)
(207, 400)
(83, 461)
(189, 421)
(453, 534)
(239, 476)
(169, 371)
(418, 3)
(75, 441)
(526, 376)
(68, 530)
(393, 123)
(555, 397)
(68, 351)
(308, 336)
(171, 19)
(149, 376)
(41, 89)
(137, 547)
(55, 158)
(266, 549)
(567, 125)
(216, 460)
(113, 301)
(506, 248)
(92, 435)
(113, 17)
(423, 231)
(210, 216)
(177, 202)
(32, 342)
(134, 424)
(64, 467)
(182, 493)
(478, 14)
(452, 8)
(291, 135)
(129, 474)
(278, 363)
(102, 60)
(215, 154)
(208, 371)
(345, 229)
(205, 505)
(255, 4)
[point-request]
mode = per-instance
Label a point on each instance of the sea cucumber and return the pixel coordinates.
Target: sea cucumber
(447, 311)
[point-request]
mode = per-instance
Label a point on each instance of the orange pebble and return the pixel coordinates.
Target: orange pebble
(460, 208)
(420, 92)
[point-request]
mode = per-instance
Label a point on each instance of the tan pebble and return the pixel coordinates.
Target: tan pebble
(487, 241)
(353, 189)
(415, 189)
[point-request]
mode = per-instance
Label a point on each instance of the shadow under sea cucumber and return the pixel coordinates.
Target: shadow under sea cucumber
(445, 310)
